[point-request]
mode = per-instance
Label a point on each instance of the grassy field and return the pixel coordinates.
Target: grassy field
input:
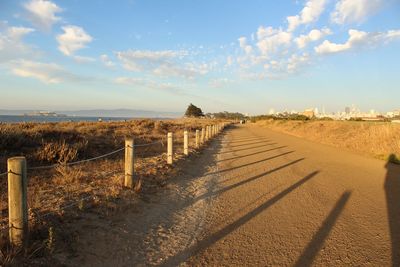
(379, 140)
(61, 194)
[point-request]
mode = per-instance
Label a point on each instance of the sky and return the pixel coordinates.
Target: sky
(226, 55)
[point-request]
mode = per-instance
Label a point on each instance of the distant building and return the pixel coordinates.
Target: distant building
(308, 113)
(347, 110)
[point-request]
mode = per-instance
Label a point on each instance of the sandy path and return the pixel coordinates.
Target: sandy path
(269, 199)
(154, 228)
(285, 201)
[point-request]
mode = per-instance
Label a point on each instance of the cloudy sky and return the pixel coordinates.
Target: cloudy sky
(246, 56)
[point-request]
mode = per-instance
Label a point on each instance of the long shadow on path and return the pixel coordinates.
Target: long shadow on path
(251, 163)
(392, 190)
(252, 154)
(247, 148)
(207, 242)
(316, 243)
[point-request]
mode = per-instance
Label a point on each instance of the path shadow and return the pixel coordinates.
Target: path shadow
(234, 141)
(316, 243)
(392, 190)
(249, 144)
(208, 241)
(251, 163)
(247, 148)
(252, 154)
(248, 180)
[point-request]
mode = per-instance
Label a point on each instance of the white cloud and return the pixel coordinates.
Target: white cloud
(150, 84)
(313, 36)
(297, 62)
(309, 14)
(42, 13)
(219, 83)
(347, 11)
(45, 72)
(73, 39)
(107, 61)
(273, 43)
(243, 44)
(358, 39)
(81, 59)
(162, 63)
(229, 61)
(264, 32)
(11, 42)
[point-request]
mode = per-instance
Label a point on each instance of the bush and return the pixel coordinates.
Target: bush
(193, 111)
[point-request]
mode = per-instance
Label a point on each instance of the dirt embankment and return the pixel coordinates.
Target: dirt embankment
(379, 140)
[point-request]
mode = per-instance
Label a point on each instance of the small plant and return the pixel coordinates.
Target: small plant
(67, 175)
(394, 159)
(50, 244)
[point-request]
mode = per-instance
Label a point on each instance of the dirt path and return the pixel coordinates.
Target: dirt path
(265, 199)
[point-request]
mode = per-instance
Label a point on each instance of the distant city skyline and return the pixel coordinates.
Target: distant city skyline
(219, 55)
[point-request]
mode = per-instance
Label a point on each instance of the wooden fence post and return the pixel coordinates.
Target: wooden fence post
(207, 133)
(170, 150)
(129, 162)
(185, 143)
(197, 138)
(202, 135)
(17, 201)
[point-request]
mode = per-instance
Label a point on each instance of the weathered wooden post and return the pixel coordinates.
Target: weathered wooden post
(202, 135)
(170, 150)
(129, 162)
(197, 138)
(185, 143)
(207, 133)
(17, 201)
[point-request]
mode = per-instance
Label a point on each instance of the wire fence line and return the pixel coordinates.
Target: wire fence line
(88, 160)
(150, 144)
(149, 157)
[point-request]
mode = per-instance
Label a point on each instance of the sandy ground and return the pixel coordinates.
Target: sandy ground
(259, 198)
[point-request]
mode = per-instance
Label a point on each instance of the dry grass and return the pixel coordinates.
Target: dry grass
(379, 140)
(64, 193)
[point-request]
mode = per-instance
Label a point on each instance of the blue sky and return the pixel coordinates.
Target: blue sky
(246, 56)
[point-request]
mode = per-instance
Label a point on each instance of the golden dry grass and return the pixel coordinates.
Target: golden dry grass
(60, 194)
(378, 140)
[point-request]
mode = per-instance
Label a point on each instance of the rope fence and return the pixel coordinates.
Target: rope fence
(18, 169)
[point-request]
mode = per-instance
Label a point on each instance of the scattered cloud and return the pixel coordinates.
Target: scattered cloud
(82, 59)
(297, 62)
(162, 63)
(42, 14)
(107, 61)
(74, 38)
(11, 42)
(313, 36)
(49, 73)
(277, 41)
(243, 44)
(348, 11)
(219, 83)
(309, 14)
(150, 84)
(358, 39)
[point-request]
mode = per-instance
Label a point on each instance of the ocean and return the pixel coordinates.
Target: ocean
(16, 119)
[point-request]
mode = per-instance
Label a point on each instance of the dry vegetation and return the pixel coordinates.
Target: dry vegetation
(379, 140)
(64, 194)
